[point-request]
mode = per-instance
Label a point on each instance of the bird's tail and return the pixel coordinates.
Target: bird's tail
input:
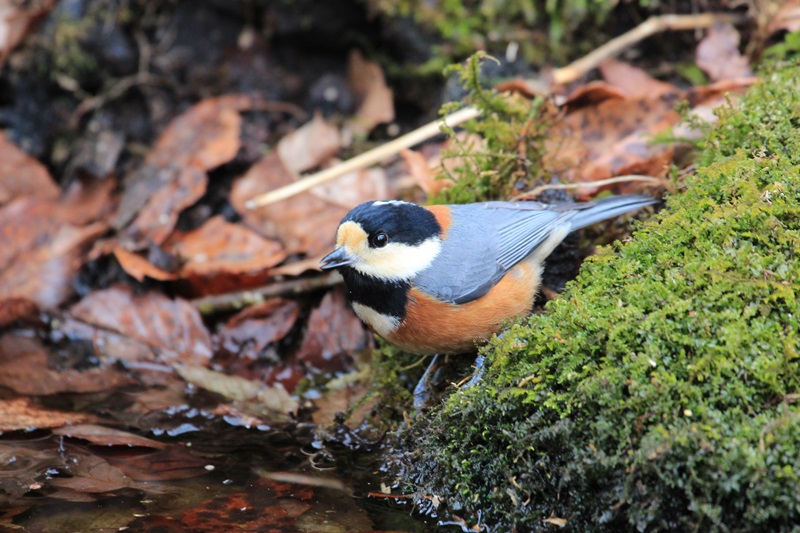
(608, 208)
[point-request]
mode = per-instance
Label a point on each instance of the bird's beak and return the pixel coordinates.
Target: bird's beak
(338, 258)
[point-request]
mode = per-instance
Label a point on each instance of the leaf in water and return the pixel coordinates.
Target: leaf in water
(105, 436)
(266, 506)
(23, 414)
(173, 176)
(20, 174)
(171, 462)
(260, 397)
(173, 325)
(24, 369)
(333, 335)
(718, 54)
(91, 473)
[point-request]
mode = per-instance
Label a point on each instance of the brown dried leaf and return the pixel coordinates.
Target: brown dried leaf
(248, 333)
(91, 473)
(24, 368)
(139, 267)
(334, 334)
(786, 18)
(173, 176)
(422, 173)
(20, 174)
(175, 327)
(309, 146)
(22, 413)
(597, 142)
(718, 54)
(634, 82)
(303, 223)
(375, 97)
(16, 19)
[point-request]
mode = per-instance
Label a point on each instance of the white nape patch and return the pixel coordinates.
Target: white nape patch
(382, 324)
(397, 261)
(391, 202)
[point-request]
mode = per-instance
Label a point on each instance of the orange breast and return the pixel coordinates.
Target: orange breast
(433, 326)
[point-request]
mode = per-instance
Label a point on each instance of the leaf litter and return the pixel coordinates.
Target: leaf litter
(73, 348)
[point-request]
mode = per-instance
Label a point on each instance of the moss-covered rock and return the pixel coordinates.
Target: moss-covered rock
(662, 390)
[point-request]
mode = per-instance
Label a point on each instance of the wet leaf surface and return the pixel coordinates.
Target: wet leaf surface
(172, 325)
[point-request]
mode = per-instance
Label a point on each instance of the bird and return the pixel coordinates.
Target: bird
(443, 279)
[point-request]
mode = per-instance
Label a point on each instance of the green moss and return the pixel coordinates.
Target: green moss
(510, 130)
(660, 391)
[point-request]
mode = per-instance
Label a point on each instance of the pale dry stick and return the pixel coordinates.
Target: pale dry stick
(617, 179)
(567, 74)
(364, 160)
(238, 300)
(650, 27)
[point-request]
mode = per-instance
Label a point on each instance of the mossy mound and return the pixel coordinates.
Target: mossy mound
(661, 391)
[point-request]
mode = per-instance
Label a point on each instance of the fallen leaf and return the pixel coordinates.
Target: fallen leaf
(309, 146)
(250, 332)
(104, 436)
(422, 173)
(143, 465)
(560, 522)
(718, 54)
(16, 19)
(23, 414)
(90, 473)
(138, 267)
(786, 18)
(25, 369)
(20, 174)
(174, 326)
(376, 102)
(596, 142)
(272, 399)
(634, 82)
(41, 253)
(353, 188)
(334, 334)
(303, 223)
(173, 176)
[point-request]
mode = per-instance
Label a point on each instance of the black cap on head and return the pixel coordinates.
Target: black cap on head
(403, 222)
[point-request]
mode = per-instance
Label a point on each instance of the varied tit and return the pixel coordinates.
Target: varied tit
(443, 278)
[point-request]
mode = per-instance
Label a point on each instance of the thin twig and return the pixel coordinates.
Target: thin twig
(567, 74)
(364, 160)
(650, 27)
(237, 300)
(536, 191)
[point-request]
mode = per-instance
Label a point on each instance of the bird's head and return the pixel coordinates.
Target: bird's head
(391, 241)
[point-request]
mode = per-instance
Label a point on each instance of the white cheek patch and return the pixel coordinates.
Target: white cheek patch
(382, 324)
(397, 261)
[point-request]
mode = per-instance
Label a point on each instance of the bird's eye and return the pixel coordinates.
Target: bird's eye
(378, 240)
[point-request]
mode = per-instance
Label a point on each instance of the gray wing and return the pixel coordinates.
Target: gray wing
(485, 241)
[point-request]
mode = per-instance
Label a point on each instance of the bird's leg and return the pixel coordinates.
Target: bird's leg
(421, 391)
(477, 376)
